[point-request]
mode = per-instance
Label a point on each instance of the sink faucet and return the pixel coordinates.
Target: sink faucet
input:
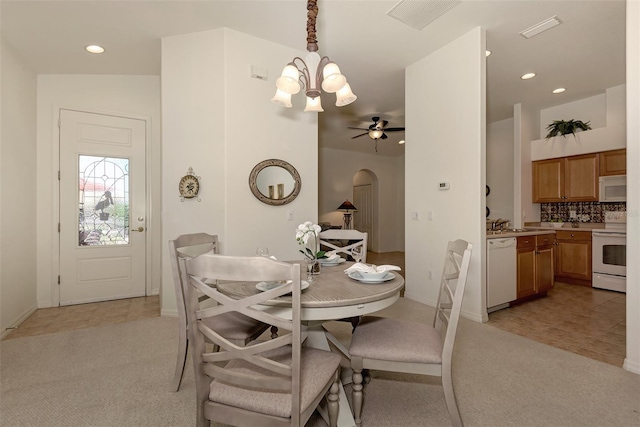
(498, 223)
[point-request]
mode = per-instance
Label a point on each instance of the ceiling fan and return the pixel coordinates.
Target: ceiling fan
(377, 130)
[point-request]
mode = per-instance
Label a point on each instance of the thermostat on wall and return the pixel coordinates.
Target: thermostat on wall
(443, 186)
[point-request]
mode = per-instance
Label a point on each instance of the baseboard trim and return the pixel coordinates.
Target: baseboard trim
(168, 313)
(631, 366)
(464, 313)
(24, 316)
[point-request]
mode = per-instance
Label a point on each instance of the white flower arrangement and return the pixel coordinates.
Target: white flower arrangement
(304, 233)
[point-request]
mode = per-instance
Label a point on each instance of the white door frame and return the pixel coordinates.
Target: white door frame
(55, 195)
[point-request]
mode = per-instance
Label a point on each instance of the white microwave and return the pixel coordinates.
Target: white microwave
(613, 188)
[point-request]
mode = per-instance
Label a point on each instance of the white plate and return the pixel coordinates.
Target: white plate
(357, 276)
(267, 286)
(330, 263)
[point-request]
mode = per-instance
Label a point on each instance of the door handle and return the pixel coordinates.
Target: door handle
(140, 229)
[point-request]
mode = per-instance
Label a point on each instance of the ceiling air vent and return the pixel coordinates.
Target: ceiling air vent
(420, 13)
(541, 27)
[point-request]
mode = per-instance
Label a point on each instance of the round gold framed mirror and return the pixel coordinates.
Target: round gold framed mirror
(275, 182)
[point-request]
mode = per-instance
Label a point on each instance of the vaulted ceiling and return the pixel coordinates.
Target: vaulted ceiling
(585, 54)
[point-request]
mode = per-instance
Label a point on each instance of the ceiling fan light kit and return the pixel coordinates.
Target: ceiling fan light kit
(313, 72)
(377, 130)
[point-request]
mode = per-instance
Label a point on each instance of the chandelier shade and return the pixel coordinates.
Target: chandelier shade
(314, 104)
(282, 99)
(314, 73)
(345, 96)
(288, 81)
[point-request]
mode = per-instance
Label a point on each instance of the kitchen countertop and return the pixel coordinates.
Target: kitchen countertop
(524, 232)
(582, 226)
(535, 228)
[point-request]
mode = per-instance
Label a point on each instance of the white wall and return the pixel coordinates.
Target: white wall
(18, 206)
(220, 121)
(607, 113)
(337, 169)
(134, 95)
(440, 89)
(500, 168)
(525, 120)
(616, 105)
(632, 361)
(592, 109)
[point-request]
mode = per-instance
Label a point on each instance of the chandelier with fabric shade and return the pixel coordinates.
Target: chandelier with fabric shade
(313, 72)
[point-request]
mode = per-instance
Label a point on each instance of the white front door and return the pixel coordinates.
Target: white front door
(102, 207)
(363, 218)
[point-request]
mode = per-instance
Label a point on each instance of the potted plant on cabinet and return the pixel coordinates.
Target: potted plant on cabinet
(562, 127)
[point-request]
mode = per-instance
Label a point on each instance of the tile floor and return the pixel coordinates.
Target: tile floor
(56, 319)
(579, 319)
(586, 321)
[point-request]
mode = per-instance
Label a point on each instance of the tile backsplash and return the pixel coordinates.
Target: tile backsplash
(585, 211)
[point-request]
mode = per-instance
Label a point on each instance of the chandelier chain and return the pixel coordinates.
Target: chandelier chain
(312, 13)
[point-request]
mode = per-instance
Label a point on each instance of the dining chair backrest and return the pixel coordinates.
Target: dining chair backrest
(450, 295)
(277, 377)
(186, 245)
(343, 241)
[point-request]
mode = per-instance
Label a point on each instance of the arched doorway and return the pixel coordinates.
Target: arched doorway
(365, 198)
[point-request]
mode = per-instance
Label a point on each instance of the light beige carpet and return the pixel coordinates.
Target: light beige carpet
(119, 375)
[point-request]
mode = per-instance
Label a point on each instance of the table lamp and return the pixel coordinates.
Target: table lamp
(347, 206)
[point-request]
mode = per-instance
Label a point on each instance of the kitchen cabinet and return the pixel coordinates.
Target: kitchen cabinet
(548, 180)
(544, 262)
(535, 259)
(566, 179)
(573, 257)
(613, 162)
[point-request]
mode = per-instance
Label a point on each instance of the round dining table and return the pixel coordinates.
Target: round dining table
(332, 295)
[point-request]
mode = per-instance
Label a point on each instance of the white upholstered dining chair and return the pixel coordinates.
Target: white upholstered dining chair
(272, 383)
(333, 239)
(238, 328)
(409, 347)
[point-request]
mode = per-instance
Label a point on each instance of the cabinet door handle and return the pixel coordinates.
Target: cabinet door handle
(573, 235)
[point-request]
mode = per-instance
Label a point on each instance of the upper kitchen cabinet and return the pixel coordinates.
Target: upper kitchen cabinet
(548, 180)
(613, 162)
(567, 179)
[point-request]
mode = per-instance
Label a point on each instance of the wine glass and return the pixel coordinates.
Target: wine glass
(262, 252)
(357, 253)
(311, 263)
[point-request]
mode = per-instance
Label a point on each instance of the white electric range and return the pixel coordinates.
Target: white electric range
(609, 250)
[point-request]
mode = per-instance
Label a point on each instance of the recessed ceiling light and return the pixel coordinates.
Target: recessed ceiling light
(559, 90)
(401, 141)
(528, 76)
(487, 53)
(94, 49)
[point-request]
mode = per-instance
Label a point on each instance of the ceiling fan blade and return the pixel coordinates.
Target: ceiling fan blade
(393, 129)
(384, 136)
(362, 134)
(384, 123)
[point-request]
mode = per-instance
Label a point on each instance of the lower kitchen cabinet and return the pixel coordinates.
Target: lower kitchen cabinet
(573, 256)
(535, 258)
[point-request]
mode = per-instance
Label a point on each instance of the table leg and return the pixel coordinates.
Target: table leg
(345, 373)
(316, 338)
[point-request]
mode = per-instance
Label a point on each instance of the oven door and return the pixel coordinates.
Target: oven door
(610, 253)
